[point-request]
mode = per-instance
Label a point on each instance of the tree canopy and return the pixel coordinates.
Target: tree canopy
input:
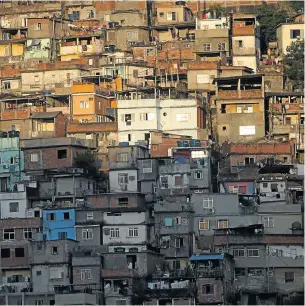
(294, 64)
(269, 18)
(87, 161)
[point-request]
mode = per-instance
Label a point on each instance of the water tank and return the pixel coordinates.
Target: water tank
(123, 144)
(13, 134)
(180, 144)
(197, 143)
(111, 25)
(193, 143)
(3, 134)
(186, 144)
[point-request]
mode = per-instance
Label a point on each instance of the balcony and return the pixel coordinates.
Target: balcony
(181, 292)
(240, 94)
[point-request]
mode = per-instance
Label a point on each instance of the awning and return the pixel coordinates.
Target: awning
(207, 257)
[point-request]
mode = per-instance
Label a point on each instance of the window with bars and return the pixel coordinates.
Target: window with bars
(133, 232)
(204, 225)
(114, 232)
(207, 202)
(87, 234)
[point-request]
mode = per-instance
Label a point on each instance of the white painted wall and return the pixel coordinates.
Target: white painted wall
(125, 218)
(7, 198)
(123, 236)
(132, 185)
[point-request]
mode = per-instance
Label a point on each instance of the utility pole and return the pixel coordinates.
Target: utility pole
(268, 268)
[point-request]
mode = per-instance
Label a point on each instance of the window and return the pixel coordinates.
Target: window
(147, 116)
(62, 154)
(239, 252)
(28, 233)
(9, 234)
(13, 160)
(179, 242)
(289, 277)
(14, 207)
(6, 85)
(19, 252)
(176, 265)
(146, 166)
(87, 234)
(62, 235)
(38, 26)
(164, 182)
(206, 47)
(161, 14)
(253, 252)
(90, 216)
(39, 247)
(222, 224)
(233, 189)
(84, 120)
(268, 222)
(171, 16)
(178, 180)
(240, 43)
(240, 272)
(255, 272)
(221, 47)
(182, 117)
(265, 185)
(244, 109)
(207, 289)
(249, 160)
(274, 187)
(84, 104)
(132, 36)
(38, 302)
(204, 225)
(122, 157)
(203, 79)
(34, 157)
(123, 178)
(294, 34)
(198, 175)
(38, 273)
(207, 202)
(123, 201)
(114, 233)
(54, 250)
(133, 232)
(66, 216)
(51, 217)
(150, 52)
(85, 274)
(5, 253)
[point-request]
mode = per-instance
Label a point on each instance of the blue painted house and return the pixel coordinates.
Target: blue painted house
(11, 162)
(59, 224)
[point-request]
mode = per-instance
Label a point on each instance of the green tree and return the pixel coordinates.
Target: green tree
(87, 161)
(297, 5)
(217, 9)
(294, 64)
(269, 18)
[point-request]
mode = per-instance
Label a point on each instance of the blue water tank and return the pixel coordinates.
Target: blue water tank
(197, 143)
(193, 143)
(180, 144)
(123, 144)
(186, 143)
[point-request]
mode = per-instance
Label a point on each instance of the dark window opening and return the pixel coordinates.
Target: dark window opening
(223, 108)
(51, 217)
(295, 34)
(38, 273)
(66, 216)
(240, 272)
(62, 235)
(123, 201)
(54, 250)
(285, 159)
(289, 277)
(274, 188)
(249, 160)
(19, 252)
(131, 261)
(224, 128)
(36, 214)
(207, 289)
(62, 154)
(179, 242)
(52, 302)
(5, 253)
(176, 265)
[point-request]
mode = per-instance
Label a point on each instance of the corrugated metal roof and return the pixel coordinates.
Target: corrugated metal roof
(207, 257)
(44, 115)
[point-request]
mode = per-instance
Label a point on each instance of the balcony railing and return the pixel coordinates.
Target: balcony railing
(209, 273)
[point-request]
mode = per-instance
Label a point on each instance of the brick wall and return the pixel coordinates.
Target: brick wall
(49, 158)
(60, 125)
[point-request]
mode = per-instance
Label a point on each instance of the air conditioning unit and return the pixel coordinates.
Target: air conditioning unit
(106, 231)
(198, 191)
(147, 170)
(6, 166)
(124, 187)
(211, 210)
(27, 178)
